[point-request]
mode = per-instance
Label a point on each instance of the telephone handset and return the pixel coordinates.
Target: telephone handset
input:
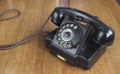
(80, 38)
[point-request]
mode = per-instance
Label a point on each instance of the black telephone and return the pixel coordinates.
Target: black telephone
(80, 38)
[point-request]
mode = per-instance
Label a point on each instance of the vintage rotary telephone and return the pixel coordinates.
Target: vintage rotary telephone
(80, 38)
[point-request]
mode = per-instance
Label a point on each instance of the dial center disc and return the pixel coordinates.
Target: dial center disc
(67, 34)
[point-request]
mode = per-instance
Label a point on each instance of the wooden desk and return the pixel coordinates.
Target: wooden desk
(33, 57)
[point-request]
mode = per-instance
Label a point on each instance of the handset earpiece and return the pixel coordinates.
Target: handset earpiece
(104, 35)
(57, 17)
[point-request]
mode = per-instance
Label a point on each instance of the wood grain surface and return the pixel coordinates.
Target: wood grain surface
(33, 57)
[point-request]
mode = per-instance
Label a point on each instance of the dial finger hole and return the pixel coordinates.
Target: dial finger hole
(63, 27)
(75, 27)
(64, 45)
(60, 30)
(58, 34)
(67, 25)
(61, 42)
(59, 39)
(69, 45)
(71, 25)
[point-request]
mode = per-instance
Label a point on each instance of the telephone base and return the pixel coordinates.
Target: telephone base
(85, 59)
